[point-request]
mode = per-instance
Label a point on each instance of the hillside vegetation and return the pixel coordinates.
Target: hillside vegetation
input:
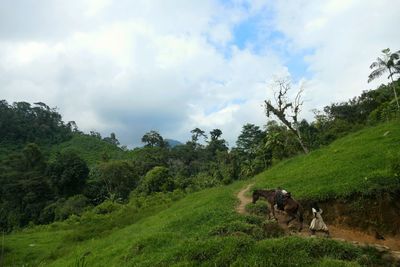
(360, 162)
(92, 150)
(203, 227)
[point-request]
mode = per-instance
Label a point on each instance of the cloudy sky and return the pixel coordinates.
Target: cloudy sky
(130, 66)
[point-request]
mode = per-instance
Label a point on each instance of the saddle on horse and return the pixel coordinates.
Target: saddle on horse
(280, 197)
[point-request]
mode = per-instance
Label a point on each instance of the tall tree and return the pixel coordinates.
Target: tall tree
(215, 144)
(153, 138)
(285, 110)
(68, 173)
(196, 133)
(388, 62)
(249, 140)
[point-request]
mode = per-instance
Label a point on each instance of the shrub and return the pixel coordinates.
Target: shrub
(106, 207)
(260, 208)
(272, 229)
(238, 228)
(74, 205)
(254, 219)
(156, 180)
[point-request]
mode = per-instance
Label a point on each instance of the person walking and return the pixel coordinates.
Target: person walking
(317, 223)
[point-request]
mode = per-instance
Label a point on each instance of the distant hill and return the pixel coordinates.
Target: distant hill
(172, 142)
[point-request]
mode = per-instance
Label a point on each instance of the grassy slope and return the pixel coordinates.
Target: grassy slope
(353, 163)
(180, 234)
(90, 149)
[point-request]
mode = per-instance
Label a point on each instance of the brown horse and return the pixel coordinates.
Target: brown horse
(292, 208)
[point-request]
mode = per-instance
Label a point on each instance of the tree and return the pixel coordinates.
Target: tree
(95, 134)
(153, 138)
(389, 62)
(215, 134)
(216, 144)
(112, 139)
(33, 157)
(24, 188)
(68, 173)
(21, 123)
(196, 133)
(118, 178)
(286, 111)
(156, 180)
(254, 156)
(249, 139)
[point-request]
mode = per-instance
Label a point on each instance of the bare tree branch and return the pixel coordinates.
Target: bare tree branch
(282, 105)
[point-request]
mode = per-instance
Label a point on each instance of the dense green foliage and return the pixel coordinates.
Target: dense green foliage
(91, 149)
(23, 123)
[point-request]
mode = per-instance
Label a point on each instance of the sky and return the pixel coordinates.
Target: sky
(131, 66)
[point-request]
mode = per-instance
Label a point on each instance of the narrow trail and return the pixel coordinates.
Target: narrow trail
(389, 245)
(244, 200)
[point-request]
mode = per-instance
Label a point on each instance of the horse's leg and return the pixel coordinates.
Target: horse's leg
(301, 224)
(296, 216)
(272, 210)
(291, 217)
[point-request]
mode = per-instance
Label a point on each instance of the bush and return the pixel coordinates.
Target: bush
(106, 207)
(272, 229)
(260, 208)
(203, 180)
(238, 228)
(74, 205)
(254, 219)
(68, 174)
(114, 179)
(62, 209)
(156, 180)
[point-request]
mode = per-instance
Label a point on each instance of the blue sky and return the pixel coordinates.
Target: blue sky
(133, 66)
(257, 33)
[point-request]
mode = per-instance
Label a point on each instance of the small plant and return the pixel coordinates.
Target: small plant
(81, 261)
(272, 229)
(260, 208)
(254, 219)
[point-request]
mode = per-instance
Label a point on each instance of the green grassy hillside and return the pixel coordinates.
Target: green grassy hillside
(90, 149)
(356, 163)
(203, 227)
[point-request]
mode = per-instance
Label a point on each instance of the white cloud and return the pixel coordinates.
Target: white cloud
(132, 66)
(159, 68)
(345, 36)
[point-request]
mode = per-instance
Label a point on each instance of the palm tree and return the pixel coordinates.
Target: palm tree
(389, 62)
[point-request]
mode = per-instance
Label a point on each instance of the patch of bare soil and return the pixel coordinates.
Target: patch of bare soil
(391, 245)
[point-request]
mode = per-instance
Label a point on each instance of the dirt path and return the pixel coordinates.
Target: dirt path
(241, 208)
(391, 245)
